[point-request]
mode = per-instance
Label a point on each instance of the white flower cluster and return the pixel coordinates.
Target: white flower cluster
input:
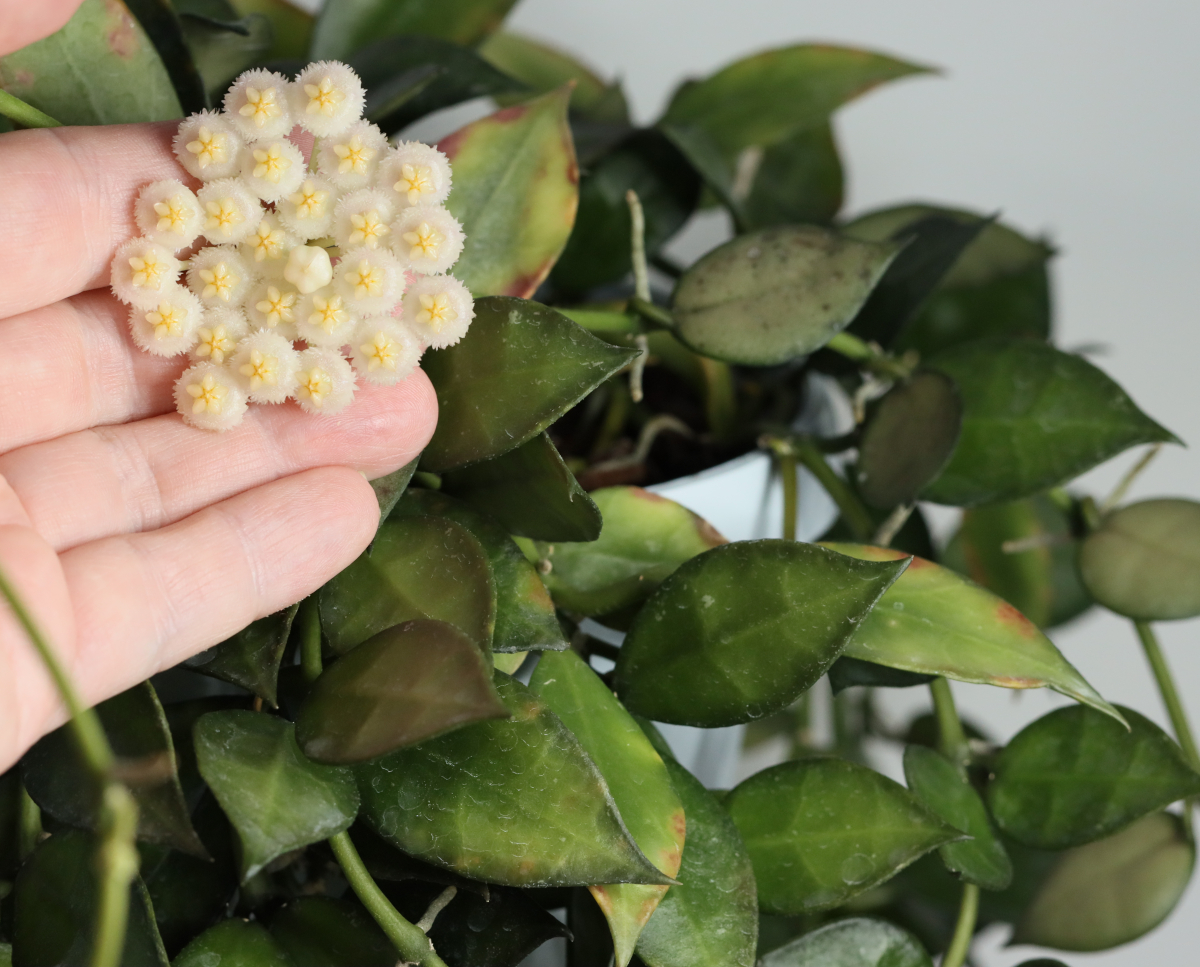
(350, 249)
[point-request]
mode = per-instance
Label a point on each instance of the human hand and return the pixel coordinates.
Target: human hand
(137, 541)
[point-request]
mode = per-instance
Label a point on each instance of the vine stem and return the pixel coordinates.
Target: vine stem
(310, 640)
(17, 110)
(791, 494)
(641, 288)
(964, 929)
(856, 514)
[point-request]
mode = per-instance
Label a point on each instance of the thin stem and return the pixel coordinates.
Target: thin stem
(964, 929)
(637, 224)
(853, 509)
(117, 865)
(1170, 696)
(657, 316)
(791, 493)
(953, 740)
(17, 110)
(1122, 488)
(29, 829)
(891, 527)
(440, 902)
(310, 641)
(851, 347)
(871, 357)
(412, 944)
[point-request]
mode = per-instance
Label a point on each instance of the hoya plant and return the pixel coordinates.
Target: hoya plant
(449, 754)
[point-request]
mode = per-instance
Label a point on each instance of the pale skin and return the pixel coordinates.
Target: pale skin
(137, 541)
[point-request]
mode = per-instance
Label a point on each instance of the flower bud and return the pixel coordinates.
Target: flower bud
(308, 269)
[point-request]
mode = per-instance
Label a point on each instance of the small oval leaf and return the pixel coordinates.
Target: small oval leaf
(239, 942)
(251, 658)
(345, 26)
(856, 942)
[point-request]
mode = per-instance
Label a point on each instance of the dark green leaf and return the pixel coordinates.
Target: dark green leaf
(980, 860)
(59, 782)
(276, 799)
(1074, 776)
(346, 25)
(291, 27)
(704, 154)
(115, 77)
(518, 370)
(645, 538)
(10, 822)
(223, 49)
(1144, 560)
(525, 618)
(1112, 891)
(531, 492)
(385, 862)
(55, 908)
(848, 672)
(820, 831)
(418, 567)
(711, 918)
(389, 489)
(406, 684)
(250, 658)
(775, 294)
(316, 931)
(1033, 417)
(908, 439)
(515, 802)
(162, 25)
(857, 942)
(1041, 962)
(237, 942)
(799, 181)
(703, 652)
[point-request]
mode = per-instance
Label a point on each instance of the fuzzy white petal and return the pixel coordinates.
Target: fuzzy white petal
(256, 104)
(169, 213)
(351, 159)
(220, 276)
(265, 365)
(141, 271)
(308, 212)
(414, 173)
(384, 351)
(370, 280)
(326, 383)
(207, 396)
(231, 210)
(273, 168)
(438, 309)
(327, 97)
(170, 327)
(427, 239)
(208, 146)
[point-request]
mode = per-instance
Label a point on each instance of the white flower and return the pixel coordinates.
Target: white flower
(362, 219)
(350, 160)
(327, 97)
(268, 247)
(308, 212)
(168, 212)
(220, 331)
(142, 271)
(207, 396)
(208, 146)
(265, 364)
(231, 210)
(323, 319)
(273, 169)
(256, 104)
(220, 276)
(370, 280)
(414, 173)
(438, 309)
(170, 327)
(272, 305)
(427, 239)
(308, 269)
(325, 383)
(384, 351)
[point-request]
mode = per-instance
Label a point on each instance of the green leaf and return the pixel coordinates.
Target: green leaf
(711, 918)
(545, 68)
(935, 622)
(519, 369)
(10, 823)
(346, 25)
(391, 488)
(222, 49)
(54, 908)
(1033, 417)
(636, 777)
(403, 686)
(515, 802)
(316, 931)
(645, 538)
(61, 784)
(276, 799)
(525, 617)
(980, 860)
(238, 942)
(1144, 560)
(250, 658)
(291, 27)
(1112, 891)
(908, 439)
(418, 567)
(161, 21)
(848, 672)
(799, 181)
(531, 492)
(516, 189)
(703, 652)
(1074, 776)
(772, 295)
(100, 68)
(820, 831)
(856, 942)
(763, 99)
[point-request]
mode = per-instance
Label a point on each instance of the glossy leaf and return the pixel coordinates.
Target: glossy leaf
(291, 27)
(316, 931)
(239, 942)
(848, 672)
(1112, 891)
(162, 23)
(856, 942)
(703, 652)
(711, 918)
(59, 782)
(276, 799)
(531, 492)
(251, 658)
(820, 831)
(544, 68)
(520, 368)
(525, 617)
(934, 780)
(403, 686)
(115, 75)
(346, 25)
(636, 777)
(644, 539)
(221, 49)
(54, 908)
(772, 295)
(515, 802)
(1074, 776)
(418, 567)
(391, 488)
(1144, 560)
(908, 439)
(799, 181)
(1033, 417)
(516, 190)
(935, 622)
